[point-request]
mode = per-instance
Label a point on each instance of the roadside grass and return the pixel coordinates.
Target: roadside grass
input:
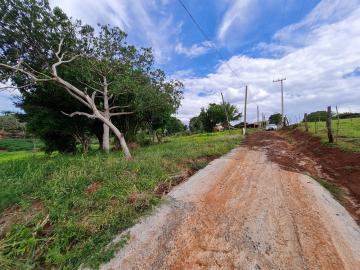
(334, 190)
(348, 137)
(67, 209)
(12, 145)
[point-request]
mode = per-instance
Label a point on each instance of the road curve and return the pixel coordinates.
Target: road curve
(244, 212)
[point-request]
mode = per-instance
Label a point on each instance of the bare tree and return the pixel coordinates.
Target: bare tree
(84, 96)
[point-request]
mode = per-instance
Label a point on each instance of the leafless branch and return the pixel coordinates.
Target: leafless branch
(15, 87)
(35, 71)
(59, 49)
(78, 98)
(118, 107)
(18, 69)
(93, 88)
(121, 113)
(80, 113)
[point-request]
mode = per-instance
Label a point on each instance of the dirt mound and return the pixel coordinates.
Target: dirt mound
(298, 151)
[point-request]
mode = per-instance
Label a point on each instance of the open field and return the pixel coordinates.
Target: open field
(348, 136)
(62, 210)
(13, 145)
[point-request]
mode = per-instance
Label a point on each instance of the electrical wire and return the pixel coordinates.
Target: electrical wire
(206, 37)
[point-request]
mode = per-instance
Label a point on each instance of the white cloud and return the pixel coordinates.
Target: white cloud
(326, 12)
(315, 72)
(195, 50)
(236, 14)
(147, 22)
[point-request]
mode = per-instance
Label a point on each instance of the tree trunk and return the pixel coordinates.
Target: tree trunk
(106, 132)
(106, 139)
(158, 137)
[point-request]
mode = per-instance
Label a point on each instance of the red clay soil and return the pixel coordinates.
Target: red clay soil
(298, 151)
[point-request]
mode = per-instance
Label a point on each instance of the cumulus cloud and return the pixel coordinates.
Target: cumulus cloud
(195, 50)
(317, 73)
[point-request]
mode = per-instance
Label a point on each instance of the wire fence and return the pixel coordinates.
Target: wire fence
(346, 132)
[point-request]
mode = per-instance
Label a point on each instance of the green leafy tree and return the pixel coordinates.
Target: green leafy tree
(317, 116)
(196, 124)
(42, 50)
(174, 125)
(275, 118)
(216, 113)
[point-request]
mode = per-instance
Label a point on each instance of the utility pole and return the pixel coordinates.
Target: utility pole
(257, 110)
(227, 117)
(282, 98)
(244, 129)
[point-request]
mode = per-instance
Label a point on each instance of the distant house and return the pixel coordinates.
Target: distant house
(218, 127)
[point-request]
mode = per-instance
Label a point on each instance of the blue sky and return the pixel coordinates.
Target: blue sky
(315, 44)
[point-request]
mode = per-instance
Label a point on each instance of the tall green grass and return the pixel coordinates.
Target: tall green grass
(12, 145)
(348, 132)
(82, 202)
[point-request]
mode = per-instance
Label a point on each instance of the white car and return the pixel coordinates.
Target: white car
(271, 127)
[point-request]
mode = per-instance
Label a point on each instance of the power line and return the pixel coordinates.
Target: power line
(206, 37)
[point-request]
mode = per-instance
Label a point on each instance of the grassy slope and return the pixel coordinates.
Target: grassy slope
(349, 133)
(89, 199)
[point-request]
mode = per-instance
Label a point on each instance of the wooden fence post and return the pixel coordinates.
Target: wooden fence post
(306, 123)
(337, 125)
(328, 125)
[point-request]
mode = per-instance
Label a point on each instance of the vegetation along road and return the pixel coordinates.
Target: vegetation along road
(247, 210)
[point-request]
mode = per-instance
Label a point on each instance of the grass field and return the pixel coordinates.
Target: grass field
(62, 210)
(348, 135)
(12, 145)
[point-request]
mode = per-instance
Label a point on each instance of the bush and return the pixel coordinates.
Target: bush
(143, 138)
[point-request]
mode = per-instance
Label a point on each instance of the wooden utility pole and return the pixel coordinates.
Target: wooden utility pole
(244, 129)
(328, 125)
(258, 122)
(282, 98)
(226, 113)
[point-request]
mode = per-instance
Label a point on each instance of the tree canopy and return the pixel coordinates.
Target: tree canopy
(275, 118)
(214, 114)
(317, 116)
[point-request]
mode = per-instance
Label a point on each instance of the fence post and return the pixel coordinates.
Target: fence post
(337, 125)
(306, 123)
(328, 125)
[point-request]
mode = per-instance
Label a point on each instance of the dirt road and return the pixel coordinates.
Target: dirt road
(244, 212)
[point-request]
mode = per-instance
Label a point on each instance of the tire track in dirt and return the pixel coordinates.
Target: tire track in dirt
(244, 212)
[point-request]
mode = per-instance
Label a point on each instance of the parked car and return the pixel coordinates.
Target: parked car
(271, 127)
